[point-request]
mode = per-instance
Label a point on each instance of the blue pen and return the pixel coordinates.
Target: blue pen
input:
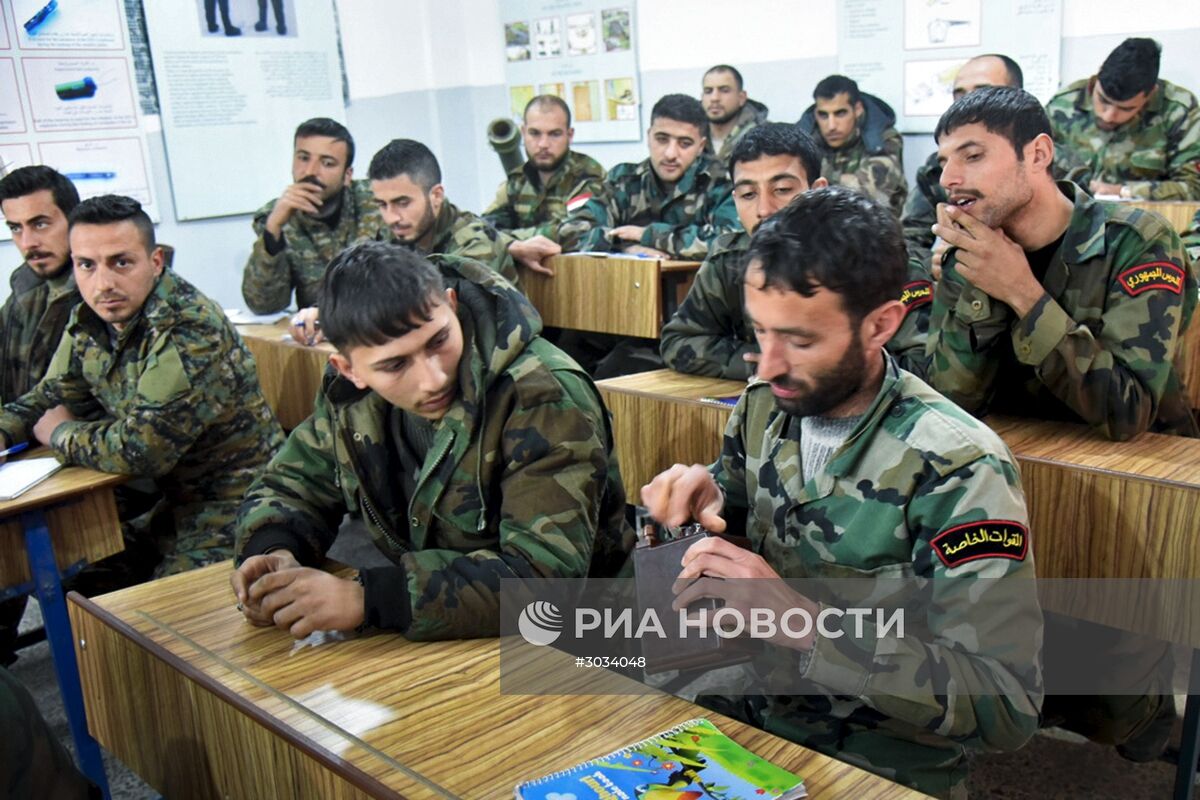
(16, 448)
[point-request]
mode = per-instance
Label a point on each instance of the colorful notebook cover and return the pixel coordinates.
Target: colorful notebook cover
(691, 761)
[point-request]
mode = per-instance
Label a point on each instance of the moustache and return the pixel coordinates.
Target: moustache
(314, 180)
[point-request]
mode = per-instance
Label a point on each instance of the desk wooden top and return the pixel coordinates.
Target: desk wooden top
(273, 334)
(417, 719)
(288, 372)
(672, 386)
(68, 482)
(1179, 213)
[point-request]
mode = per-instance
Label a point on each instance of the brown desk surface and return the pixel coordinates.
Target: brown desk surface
(289, 373)
(201, 703)
(1179, 213)
(81, 515)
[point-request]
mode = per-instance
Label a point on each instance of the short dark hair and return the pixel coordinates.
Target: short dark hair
(737, 76)
(1016, 78)
(27, 180)
(544, 100)
(834, 238)
(1005, 111)
(406, 157)
(831, 87)
(681, 108)
(109, 209)
(324, 126)
(778, 139)
(1130, 69)
(375, 292)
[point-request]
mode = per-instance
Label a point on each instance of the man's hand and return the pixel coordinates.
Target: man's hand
(642, 250)
(744, 581)
(304, 197)
(1100, 187)
(44, 428)
(301, 600)
(306, 327)
(250, 571)
(627, 233)
(989, 259)
(530, 253)
(682, 494)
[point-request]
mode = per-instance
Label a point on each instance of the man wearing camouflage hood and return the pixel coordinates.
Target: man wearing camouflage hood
(838, 464)
(474, 450)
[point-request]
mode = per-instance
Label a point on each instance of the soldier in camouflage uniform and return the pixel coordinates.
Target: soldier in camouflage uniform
(151, 380)
(533, 201)
(474, 450)
(33, 763)
(730, 113)
(709, 333)
(860, 147)
(1126, 132)
(1079, 318)
(673, 203)
(923, 198)
(321, 213)
(842, 465)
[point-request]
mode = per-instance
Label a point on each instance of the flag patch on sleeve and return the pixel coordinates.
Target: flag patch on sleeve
(578, 201)
(991, 538)
(1155, 275)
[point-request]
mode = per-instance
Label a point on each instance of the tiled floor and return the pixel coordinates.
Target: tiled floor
(1054, 765)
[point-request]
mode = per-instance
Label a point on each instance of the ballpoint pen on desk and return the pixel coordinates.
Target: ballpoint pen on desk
(16, 448)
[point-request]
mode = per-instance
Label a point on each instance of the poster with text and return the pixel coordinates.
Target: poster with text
(68, 98)
(931, 39)
(581, 50)
(232, 91)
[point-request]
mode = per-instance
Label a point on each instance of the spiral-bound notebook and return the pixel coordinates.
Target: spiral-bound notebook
(688, 762)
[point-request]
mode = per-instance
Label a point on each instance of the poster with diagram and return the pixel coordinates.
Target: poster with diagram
(931, 39)
(582, 51)
(68, 98)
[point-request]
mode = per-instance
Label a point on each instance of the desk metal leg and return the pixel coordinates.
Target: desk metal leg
(48, 590)
(1189, 745)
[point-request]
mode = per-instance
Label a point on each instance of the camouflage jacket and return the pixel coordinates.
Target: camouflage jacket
(177, 398)
(682, 223)
(524, 207)
(1191, 239)
(1156, 154)
(709, 334)
(32, 321)
(307, 247)
(1102, 344)
(521, 478)
(895, 502)
(463, 235)
(920, 211)
(752, 115)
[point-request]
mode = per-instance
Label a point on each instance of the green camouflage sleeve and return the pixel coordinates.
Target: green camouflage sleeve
(483, 243)
(267, 279)
(173, 407)
(965, 326)
(296, 502)
(500, 214)
(690, 241)
(919, 215)
(975, 677)
(591, 184)
(1191, 240)
(910, 340)
(702, 338)
(1181, 172)
(551, 493)
(586, 229)
(881, 176)
(63, 385)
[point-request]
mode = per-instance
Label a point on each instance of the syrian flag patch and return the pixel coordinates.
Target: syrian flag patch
(578, 201)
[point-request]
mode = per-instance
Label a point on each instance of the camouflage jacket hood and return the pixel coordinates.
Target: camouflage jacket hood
(878, 117)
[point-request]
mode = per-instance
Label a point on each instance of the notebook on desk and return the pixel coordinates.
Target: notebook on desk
(688, 762)
(18, 477)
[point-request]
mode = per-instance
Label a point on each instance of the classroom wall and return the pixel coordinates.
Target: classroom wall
(434, 70)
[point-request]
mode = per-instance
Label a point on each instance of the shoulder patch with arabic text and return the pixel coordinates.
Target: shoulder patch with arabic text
(990, 538)
(1154, 275)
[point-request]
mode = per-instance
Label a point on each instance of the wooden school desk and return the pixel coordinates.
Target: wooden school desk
(618, 295)
(51, 531)
(202, 704)
(289, 373)
(1179, 213)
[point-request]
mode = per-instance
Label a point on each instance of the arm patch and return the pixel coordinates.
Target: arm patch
(1154, 275)
(989, 538)
(916, 293)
